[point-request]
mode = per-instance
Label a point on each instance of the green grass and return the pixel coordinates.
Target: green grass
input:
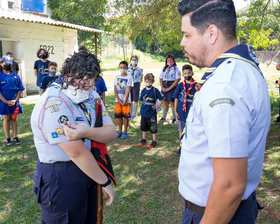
(147, 179)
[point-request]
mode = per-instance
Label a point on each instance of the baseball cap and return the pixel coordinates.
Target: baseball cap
(7, 59)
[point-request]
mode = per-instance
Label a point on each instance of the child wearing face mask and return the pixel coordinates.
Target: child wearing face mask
(47, 80)
(10, 90)
(137, 75)
(41, 67)
(148, 111)
(168, 79)
(122, 86)
(183, 97)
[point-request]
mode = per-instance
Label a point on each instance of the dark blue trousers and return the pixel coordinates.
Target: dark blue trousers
(245, 214)
(66, 194)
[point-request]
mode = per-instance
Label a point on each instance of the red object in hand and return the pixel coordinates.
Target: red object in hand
(15, 114)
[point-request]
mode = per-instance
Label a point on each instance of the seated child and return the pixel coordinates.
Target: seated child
(122, 85)
(183, 97)
(149, 96)
(47, 80)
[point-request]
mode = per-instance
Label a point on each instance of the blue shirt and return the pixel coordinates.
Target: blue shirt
(100, 86)
(180, 94)
(42, 70)
(10, 85)
(46, 81)
(136, 73)
(149, 98)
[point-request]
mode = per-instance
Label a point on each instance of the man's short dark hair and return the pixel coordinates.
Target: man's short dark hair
(206, 12)
(124, 63)
(9, 53)
(52, 63)
(189, 67)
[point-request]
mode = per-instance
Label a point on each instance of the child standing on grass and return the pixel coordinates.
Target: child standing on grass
(10, 90)
(183, 97)
(47, 80)
(137, 75)
(122, 86)
(149, 96)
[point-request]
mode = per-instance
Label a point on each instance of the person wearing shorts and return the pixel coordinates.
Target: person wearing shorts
(137, 75)
(122, 86)
(149, 96)
(168, 79)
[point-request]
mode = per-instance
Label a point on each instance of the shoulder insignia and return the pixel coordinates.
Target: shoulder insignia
(53, 105)
(63, 119)
(221, 101)
(59, 131)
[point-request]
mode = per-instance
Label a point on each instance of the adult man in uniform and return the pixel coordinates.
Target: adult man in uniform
(222, 155)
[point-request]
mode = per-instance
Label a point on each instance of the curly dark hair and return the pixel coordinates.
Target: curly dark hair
(78, 66)
(42, 49)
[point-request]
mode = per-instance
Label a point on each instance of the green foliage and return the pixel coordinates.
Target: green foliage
(88, 13)
(259, 25)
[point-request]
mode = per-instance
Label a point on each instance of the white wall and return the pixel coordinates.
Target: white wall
(24, 39)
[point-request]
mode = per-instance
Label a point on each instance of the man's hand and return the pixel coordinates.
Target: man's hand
(177, 116)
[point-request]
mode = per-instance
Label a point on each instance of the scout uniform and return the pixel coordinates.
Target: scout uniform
(63, 190)
(229, 118)
(136, 74)
(168, 77)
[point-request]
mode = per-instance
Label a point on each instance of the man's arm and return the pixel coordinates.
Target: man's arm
(175, 108)
(161, 85)
(103, 97)
(35, 73)
(230, 179)
(127, 94)
(116, 95)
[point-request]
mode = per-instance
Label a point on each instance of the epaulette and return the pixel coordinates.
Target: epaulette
(54, 90)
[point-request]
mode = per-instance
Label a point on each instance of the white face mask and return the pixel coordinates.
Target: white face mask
(147, 84)
(76, 95)
(123, 71)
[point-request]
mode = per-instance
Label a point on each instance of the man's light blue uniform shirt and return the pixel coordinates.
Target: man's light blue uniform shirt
(46, 121)
(136, 73)
(229, 118)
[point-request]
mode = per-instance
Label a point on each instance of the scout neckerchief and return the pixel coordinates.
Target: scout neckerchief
(242, 52)
(86, 112)
(133, 70)
(187, 93)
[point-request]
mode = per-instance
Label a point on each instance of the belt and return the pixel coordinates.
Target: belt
(63, 162)
(200, 210)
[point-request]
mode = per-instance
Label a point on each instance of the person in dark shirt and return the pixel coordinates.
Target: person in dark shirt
(41, 66)
(148, 111)
(47, 80)
(101, 88)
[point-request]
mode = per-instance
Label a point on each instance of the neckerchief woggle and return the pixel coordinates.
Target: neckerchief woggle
(242, 52)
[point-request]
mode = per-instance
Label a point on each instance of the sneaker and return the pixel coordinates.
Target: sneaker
(142, 142)
(152, 145)
(8, 141)
(277, 119)
(17, 141)
(173, 121)
(119, 134)
(162, 120)
(124, 135)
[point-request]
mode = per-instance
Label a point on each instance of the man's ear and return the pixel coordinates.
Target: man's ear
(213, 33)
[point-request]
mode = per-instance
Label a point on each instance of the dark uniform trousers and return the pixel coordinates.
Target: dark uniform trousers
(66, 194)
(246, 213)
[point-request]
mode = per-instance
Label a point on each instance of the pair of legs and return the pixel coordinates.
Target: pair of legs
(165, 109)
(123, 124)
(144, 134)
(134, 108)
(9, 121)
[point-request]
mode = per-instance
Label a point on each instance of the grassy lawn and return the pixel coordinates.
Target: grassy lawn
(147, 179)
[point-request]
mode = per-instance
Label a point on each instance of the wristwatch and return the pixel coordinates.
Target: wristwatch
(107, 183)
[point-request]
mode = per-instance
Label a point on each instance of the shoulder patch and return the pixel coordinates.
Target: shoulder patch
(63, 119)
(222, 101)
(53, 105)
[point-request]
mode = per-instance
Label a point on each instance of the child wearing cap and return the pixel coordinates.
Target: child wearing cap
(148, 111)
(10, 90)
